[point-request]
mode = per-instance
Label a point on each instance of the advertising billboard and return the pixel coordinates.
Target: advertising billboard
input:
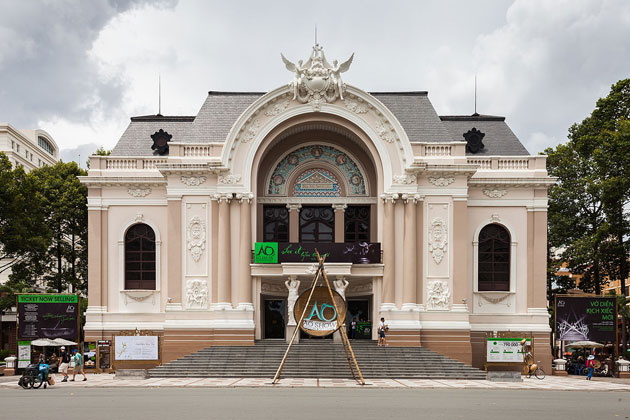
(320, 315)
(592, 318)
(48, 316)
(303, 252)
(505, 350)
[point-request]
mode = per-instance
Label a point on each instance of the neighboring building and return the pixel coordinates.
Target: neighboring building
(30, 149)
(456, 203)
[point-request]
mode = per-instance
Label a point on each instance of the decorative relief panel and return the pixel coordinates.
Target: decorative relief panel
(438, 234)
(384, 131)
(139, 192)
(316, 183)
(273, 288)
(438, 296)
(277, 108)
(332, 156)
(404, 179)
(360, 288)
(196, 237)
(229, 179)
(251, 131)
(495, 193)
(355, 105)
(441, 181)
(197, 294)
(193, 181)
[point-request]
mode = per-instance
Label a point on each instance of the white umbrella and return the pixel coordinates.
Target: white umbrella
(63, 342)
(585, 345)
(43, 342)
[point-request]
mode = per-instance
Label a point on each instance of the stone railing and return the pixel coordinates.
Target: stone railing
(508, 163)
(437, 150)
(127, 163)
(197, 150)
(120, 163)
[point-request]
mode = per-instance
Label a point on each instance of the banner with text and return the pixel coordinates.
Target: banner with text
(280, 252)
(48, 316)
(590, 318)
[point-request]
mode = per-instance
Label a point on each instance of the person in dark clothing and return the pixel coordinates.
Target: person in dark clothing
(64, 359)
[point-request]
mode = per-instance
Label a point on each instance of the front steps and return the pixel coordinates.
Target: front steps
(316, 359)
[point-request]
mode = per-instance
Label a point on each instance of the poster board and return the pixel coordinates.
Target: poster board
(505, 350)
(136, 347)
(89, 355)
(48, 316)
(581, 318)
(104, 354)
(24, 354)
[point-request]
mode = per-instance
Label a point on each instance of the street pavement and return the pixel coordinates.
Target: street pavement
(552, 383)
(140, 403)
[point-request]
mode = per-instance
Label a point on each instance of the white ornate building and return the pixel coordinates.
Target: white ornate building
(456, 204)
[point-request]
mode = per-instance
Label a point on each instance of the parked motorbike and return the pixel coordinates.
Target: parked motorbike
(35, 375)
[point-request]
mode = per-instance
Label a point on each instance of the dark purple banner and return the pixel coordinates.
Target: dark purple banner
(356, 253)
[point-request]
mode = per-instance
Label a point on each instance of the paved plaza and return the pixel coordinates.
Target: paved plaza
(553, 383)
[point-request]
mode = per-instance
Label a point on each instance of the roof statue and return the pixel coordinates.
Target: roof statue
(316, 81)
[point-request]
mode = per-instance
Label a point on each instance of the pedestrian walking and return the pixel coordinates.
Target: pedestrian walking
(64, 359)
(78, 365)
(382, 331)
(590, 366)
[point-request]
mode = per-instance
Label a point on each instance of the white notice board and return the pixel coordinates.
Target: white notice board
(136, 347)
(507, 350)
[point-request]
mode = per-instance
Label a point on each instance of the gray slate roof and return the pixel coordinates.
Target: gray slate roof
(499, 140)
(221, 110)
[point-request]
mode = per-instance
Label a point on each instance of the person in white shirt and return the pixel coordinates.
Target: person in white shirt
(382, 329)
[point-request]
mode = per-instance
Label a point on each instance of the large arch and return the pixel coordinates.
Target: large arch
(359, 113)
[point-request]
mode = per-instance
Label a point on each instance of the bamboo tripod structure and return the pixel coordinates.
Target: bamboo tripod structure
(344, 336)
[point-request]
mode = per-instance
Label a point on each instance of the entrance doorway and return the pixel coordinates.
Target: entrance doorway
(275, 311)
(359, 311)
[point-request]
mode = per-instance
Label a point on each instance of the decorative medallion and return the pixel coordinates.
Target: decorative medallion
(251, 131)
(196, 237)
(474, 141)
(277, 108)
(229, 179)
(139, 218)
(139, 192)
(405, 179)
(316, 82)
(356, 106)
(193, 181)
(384, 132)
(197, 294)
(495, 193)
(495, 218)
(439, 295)
(160, 141)
(441, 181)
(438, 235)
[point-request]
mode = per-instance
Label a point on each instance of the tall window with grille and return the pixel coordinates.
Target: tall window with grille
(275, 224)
(140, 258)
(494, 259)
(357, 224)
(317, 224)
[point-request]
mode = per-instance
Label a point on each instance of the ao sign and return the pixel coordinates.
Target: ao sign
(320, 318)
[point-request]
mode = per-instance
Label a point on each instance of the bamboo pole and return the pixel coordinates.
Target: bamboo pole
(342, 329)
(276, 378)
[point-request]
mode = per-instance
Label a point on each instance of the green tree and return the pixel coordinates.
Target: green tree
(64, 206)
(23, 231)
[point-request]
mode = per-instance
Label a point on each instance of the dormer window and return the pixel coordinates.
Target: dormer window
(160, 142)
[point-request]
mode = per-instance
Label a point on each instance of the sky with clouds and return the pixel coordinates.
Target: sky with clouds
(80, 69)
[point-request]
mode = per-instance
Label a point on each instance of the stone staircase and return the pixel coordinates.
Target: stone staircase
(316, 359)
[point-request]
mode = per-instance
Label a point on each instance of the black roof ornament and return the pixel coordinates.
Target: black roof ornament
(474, 141)
(160, 141)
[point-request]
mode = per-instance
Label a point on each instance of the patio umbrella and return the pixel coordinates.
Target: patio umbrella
(585, 345)
(63, 342)
(43, 342)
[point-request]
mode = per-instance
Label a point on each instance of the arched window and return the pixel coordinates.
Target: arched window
(317, 224)
(494, 259)
(357, 224)
(275, 224)
(140, 258)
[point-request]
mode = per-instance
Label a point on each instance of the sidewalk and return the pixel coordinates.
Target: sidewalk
(553, 383)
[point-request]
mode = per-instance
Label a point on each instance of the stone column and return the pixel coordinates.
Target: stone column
(340, 211)
(294, 222)
(409, 252)
(399, 233)
(214, 265)
(540, 259)
(174, 250)
(419, 249)
(245, 252)
(224, 289)
(389, 253)
(104, 260)
(94, 257)
(460, 252)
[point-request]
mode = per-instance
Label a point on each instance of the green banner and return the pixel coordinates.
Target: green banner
(41, 298)
(266, 253)
(24, 343)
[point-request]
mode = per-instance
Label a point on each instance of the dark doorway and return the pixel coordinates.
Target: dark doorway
(275, 310)
(359, 310)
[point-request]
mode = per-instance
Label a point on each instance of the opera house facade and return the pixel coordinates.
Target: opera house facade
(203, 228)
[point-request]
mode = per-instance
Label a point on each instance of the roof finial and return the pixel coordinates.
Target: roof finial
(159, 94)
(475, 114)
